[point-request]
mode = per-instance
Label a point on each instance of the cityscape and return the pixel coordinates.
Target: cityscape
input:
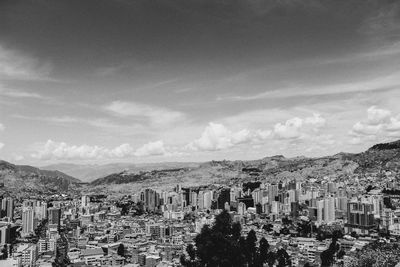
(197, 133)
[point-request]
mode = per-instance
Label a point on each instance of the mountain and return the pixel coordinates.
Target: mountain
(24, 178)
(376, 160)
(90, 172)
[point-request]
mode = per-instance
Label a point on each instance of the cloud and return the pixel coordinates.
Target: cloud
(52, 150)
(1, 145)
(377, 116)
(218, 137)
(61, 150)
(156, 116)
(384, 23)
(18, 94)
(53, 119)
(379, 124)
(381, 83)
(151, 149)
(2, 127)
(18, 66)
(296, 128)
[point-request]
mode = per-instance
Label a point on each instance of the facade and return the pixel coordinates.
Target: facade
(360, 217)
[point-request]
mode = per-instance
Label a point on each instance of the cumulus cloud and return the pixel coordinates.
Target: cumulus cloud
(154, 115)
(151, 149)
(52, 150)
(62, 150)
(380, 123)
(296, 128)
(217, 137)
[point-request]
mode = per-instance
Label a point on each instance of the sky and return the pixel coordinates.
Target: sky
(196, 80)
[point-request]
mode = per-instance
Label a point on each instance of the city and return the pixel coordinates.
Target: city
(155, 228)
(199, 133)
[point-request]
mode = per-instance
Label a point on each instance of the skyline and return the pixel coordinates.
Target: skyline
(196, 80)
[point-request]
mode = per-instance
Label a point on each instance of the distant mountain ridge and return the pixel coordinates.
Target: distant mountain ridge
(27, 178)
(91, 172)
(378, 158)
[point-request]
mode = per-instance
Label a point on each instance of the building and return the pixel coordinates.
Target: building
(7, 208)
(28, 221)
(45, 245)
(54, 215)
(27, 255)
(360, 217)
(4, 234)
(329, 209)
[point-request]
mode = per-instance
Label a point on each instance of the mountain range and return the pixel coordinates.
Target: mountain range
(24, 178)
(379, 159)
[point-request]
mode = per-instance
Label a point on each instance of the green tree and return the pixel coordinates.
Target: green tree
(121, 250)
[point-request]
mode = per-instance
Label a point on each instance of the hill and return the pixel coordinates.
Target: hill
(90, 172)
(376, 160)
(24, 178)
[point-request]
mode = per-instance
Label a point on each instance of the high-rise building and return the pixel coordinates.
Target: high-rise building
(329, 209)
(208, 197)
(272, 192)
(151, 199)
(360, 217)
(4, 234)
(7, 208)
(200, 200)
(54, 215)
(40, 210)
(85, 201)
(28, 221)
(320, 210)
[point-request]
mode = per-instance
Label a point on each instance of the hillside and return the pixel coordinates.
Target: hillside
(90, 172)
(379, 158)
(23, 178)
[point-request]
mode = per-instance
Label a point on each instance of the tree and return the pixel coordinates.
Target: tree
(283, 258)
(222, 245)
(121, 250)
(263, 250)
(192, 261)
(251, 248)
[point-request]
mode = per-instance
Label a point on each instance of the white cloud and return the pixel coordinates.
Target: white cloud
(156, 116)
(2, 127)
(151, 149)
(377, 116)
(52, 150)
(62, 150)
(1, 145)
(15, 65)
(217, 137)
(298, 128)
(379, 124)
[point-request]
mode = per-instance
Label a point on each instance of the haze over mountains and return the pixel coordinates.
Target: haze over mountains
(376, 160)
